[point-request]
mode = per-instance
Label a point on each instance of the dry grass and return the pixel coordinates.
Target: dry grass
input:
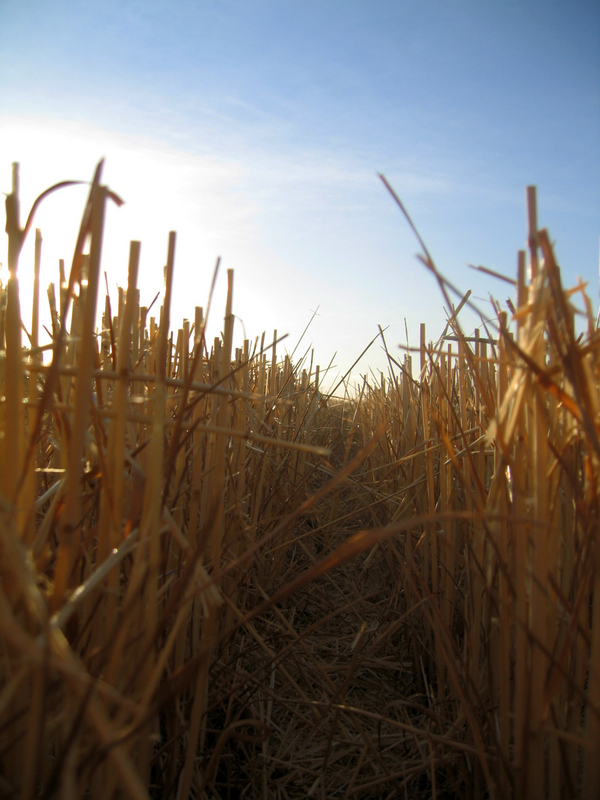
(217, 582)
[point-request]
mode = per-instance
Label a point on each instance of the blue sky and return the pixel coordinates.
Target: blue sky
(256, 129)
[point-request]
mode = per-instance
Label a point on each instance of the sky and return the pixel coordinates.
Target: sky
(256, 130)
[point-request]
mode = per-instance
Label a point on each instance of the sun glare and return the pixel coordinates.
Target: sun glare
(163, 190)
